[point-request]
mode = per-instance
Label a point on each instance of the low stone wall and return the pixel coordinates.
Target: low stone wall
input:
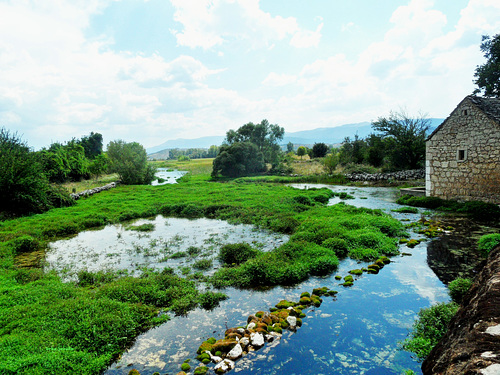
(472, 343)
(93, 191)
(413, 174)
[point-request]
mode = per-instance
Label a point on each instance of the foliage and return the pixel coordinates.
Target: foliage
(92, 145)
(488, 242)
(488, 75)
(406, 139)
(476, 209)
(429, 328)
(330, 163)
(301, 151)
(238, 159)
(264, 135)
(24, 188)
(210, 300)
(319, 150)
(129, 160)
(458, 288)
(289, 147)
(98, 166)
(352, 151)
(236, 253)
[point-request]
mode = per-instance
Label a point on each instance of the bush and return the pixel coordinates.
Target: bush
(429, 328)
(210, 300)
(236, 253)
(487, 242)
(238, 159)
(323, 265)
(338, 245)
(130, 161)
(458, 288)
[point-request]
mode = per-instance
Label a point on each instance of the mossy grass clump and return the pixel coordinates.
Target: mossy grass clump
(283, 304)
(236, 253)
(305, 294)
(348, 278)
(347, 283)
(134, 372)
(356, 272)
(185, 367)
(24, 244)
(206, 346)
(412, 243)
(201, 370)
(338, 277)
(147, 227)
(320, 291)
(406, 210)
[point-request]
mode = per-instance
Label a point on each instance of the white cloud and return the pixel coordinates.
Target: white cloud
(210, 23)
(275, 79)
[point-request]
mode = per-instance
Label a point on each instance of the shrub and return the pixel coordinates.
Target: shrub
(487, 242)
(203, 264)
(303, 199)
(129, 160)
(429, 328)
(458, 288)
(236, 253)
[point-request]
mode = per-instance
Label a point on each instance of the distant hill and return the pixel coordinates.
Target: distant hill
(332, 135)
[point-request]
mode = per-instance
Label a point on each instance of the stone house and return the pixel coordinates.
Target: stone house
(463, 153)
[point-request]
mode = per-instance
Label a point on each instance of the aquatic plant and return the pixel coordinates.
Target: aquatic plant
(147, 227)
(406, 210)
(429, 328)
(458, 288)
(488, 242)
(209, 300)
(203, 264)
(236, 253)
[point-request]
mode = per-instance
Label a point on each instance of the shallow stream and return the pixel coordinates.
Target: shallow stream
(356, 332)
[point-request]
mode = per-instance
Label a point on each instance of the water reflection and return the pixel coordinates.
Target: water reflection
(167, 176)
(355, 333)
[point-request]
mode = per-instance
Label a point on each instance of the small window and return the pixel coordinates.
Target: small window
(465, 112)
(462, 154)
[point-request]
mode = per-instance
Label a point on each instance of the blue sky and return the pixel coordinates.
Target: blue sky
(154, 70)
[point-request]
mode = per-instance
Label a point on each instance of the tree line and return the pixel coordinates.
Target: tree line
(30, 180)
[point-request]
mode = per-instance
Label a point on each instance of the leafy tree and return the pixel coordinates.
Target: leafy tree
(488, 74)
(213, 151)
(98, 165)
(330, 162)
(289, 147)
(130, 161)
(24, 188)
(264, 135)
(238, 159)
(405, 137)
(375, 150)
(352, 151)
(319, 150)
(301, 151)
(92, 144)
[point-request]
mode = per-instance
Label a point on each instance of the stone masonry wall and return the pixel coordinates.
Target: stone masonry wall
(477, 137)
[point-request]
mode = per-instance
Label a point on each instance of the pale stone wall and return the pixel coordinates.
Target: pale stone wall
(463, 157)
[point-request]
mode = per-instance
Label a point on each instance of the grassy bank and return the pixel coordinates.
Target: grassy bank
(47, 326)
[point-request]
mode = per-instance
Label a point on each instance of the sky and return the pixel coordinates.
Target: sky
(148, 71)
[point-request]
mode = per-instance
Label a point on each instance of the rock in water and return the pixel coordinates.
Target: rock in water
(235, 352)
(257, 339)
(224, 366)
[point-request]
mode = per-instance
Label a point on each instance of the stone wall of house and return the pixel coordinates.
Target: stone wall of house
(463, 157)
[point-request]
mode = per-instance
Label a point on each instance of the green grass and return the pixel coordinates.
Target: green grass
(47, 326)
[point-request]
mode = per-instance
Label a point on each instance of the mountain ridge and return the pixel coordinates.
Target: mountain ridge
(329, 135)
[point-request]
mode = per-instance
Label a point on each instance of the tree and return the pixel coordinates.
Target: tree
(301, 151)
(289, 147)
(238, 159)
(319, 150)
(352, 151)
(488, 74)
(330, 163)
(264, 135)
(130, 161)
(92, 144)
(406, 139)
(98, 165)
(375, 150)
(24, 188)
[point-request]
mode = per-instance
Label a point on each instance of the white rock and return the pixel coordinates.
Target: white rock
(491, 370)
(488, 355)
(225, 365)
(269, 338)
(257, 339)
(251, 325)
(292, 320)
(216, 359)
(241, 331)
(494, 330)
(235, 352)
(244, 342)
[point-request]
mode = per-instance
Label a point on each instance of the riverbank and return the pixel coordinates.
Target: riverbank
(472, 343)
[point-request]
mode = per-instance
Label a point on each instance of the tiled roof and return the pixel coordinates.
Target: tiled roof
(490, 106)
